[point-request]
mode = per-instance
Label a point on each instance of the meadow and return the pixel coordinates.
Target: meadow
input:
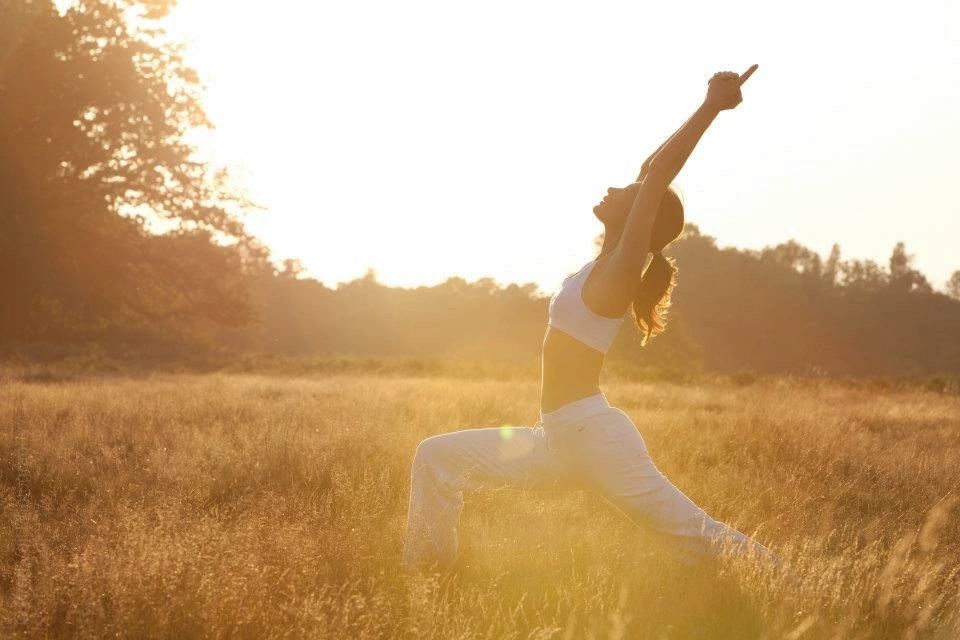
(272, 506)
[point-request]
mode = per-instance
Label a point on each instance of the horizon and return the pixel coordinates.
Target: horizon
(305, 275)
(530, 113)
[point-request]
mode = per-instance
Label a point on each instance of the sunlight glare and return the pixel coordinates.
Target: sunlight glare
(433, 139)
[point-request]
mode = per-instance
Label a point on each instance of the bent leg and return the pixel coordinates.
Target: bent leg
(471, 460)
(615, 459)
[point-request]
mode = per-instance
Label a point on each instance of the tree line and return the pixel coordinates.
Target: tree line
(114, 235)
(780, 309)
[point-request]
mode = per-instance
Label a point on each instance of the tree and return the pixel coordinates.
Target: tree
(953, 286)
(864, 275)
(794, 256)
(94, 105)
(903, 277)
(831, 270)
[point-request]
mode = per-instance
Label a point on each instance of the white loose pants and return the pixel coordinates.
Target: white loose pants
(586, 443)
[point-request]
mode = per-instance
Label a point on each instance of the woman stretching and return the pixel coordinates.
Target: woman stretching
(581, 439)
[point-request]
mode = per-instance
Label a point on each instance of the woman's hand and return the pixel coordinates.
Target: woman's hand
(723, 89)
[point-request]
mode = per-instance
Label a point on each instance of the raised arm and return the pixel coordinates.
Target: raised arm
(723, 92)
(645, 167)
(617, 283)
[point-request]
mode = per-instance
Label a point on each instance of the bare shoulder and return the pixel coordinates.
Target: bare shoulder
(610, 286)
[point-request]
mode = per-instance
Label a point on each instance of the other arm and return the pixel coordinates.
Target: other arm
(645, 167)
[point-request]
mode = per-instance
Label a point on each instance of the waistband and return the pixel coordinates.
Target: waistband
(575, 411)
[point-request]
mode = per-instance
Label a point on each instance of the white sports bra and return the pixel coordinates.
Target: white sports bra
(569, 313)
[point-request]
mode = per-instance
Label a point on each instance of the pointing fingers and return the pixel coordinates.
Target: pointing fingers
(746, 74)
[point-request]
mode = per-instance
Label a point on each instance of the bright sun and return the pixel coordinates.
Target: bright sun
(431, 139)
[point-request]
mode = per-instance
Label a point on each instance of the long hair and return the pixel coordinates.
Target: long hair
(652, 299)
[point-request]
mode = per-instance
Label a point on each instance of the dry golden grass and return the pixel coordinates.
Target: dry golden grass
(247, 506)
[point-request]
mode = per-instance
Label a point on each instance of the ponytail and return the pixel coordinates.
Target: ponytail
(653, 296)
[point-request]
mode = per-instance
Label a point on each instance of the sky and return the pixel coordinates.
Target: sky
(426, 140)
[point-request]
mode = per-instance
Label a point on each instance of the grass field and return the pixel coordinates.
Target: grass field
(268, 506)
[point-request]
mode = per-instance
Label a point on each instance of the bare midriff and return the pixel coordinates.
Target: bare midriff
(570, 370)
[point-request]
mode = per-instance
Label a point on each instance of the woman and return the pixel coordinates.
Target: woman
(581, 439)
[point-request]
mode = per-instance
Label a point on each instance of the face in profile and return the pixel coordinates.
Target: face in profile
(613, 210)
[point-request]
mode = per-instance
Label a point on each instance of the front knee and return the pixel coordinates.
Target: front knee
(429, 454)
(436, 462)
